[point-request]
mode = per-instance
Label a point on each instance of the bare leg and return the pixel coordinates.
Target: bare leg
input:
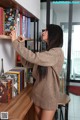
(47, 115)
(37, 112)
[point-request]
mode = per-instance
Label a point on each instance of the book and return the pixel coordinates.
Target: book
(28, 28)
(10, 15)
(14, 78)
(18, 80)
(21, 24)
(24, 26)
(5, 90)
(1, 21)
(25, 77)
(21, 77)
(17, 23)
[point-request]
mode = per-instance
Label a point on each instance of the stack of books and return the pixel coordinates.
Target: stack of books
(11, 19)
(12, 84)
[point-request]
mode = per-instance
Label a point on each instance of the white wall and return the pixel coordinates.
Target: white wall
(8, 55)
(33, 6)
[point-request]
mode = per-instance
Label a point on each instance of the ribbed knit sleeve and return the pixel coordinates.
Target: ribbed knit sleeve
(47, 58)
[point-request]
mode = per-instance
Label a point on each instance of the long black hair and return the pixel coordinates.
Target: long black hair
(55, 39)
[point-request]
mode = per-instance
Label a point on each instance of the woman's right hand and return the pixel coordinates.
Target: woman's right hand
(21, 38)
(13, 35)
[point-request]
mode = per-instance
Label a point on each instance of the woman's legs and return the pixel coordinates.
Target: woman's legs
(37, 112)
(47, 115)
(41, 114)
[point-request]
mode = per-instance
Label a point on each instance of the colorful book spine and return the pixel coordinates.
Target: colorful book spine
(5, 90)
(21, 24)
(28, 28)
(25, 71)
(9, 20)
(24, 26)
(1, 21)
(18, 25)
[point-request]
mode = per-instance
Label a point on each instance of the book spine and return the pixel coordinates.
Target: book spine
(5, 90)
(24, 26)
(14, 79)
(19, 83)
(1, 20)
(28, 28)
(9, 20)
(9, 90)
(18, 80)
(22, 80)
(20, 24)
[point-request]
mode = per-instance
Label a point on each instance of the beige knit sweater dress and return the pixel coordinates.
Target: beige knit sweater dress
(46, 92)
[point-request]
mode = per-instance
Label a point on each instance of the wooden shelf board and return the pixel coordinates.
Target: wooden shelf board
(14, 4)
(19, 105)
(5, 37)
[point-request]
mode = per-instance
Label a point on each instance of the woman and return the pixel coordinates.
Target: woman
(46, 69)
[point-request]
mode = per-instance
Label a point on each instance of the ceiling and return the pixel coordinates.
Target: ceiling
(43, 0)
(46, 0)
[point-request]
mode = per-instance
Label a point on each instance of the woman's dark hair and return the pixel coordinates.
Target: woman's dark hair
(55, 39)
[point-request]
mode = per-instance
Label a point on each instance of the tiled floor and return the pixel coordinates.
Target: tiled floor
(74, 107)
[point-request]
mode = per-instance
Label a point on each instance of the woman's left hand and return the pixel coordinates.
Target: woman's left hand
(13, 35)
(21, 38)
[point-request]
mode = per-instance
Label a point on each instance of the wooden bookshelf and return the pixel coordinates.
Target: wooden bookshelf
(19, 106)
(14, 4)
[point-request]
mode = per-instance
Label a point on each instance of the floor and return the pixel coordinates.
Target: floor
(74, 107)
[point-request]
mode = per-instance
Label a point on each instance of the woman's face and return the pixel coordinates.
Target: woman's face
(45, 35)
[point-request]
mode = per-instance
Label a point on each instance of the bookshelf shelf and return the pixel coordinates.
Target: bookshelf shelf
(5, 37)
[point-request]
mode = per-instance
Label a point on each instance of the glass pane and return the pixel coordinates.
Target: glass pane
(59, 14)
(75, 47)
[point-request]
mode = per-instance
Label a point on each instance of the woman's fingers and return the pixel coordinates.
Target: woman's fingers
(21, 38)
(13, 35)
